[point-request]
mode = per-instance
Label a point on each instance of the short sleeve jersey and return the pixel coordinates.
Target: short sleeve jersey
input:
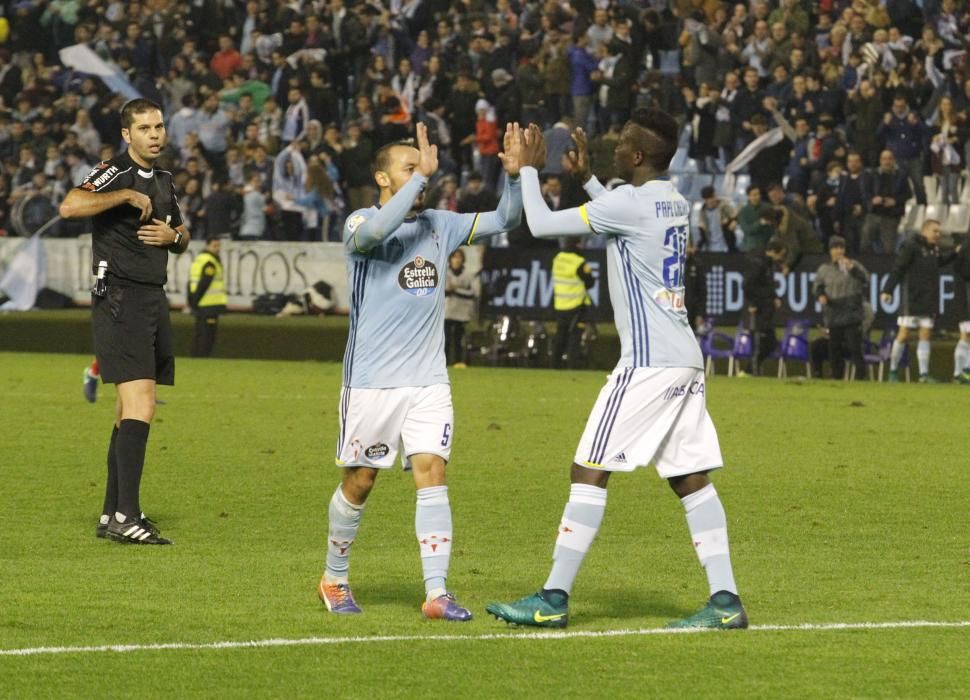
(647, 229)
(397, 300)
(115, 231)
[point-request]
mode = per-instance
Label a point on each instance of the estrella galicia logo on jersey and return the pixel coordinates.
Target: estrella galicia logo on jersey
(419, 277)
(377, 451)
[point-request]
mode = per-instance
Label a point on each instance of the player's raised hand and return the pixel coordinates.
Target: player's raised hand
(428, 163)
(142, 203)
(579, 158)
(533, 147)
(511, 155)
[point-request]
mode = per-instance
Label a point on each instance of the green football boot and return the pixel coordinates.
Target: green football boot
(893, 376)
(722, 612)
(928, 379)
(533, 610)
(964, 377)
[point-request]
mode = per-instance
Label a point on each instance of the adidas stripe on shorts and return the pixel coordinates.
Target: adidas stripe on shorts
(650, 415)
(375, 422)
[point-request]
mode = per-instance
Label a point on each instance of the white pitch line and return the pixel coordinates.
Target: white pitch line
(322, 641)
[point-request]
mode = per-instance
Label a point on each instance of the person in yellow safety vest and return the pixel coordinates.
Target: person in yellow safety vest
(207, 297)
(572, 276)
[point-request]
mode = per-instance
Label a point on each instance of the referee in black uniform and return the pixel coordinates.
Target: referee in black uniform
(136, 223)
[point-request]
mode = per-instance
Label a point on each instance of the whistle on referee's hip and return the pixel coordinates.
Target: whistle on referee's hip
(101, 282)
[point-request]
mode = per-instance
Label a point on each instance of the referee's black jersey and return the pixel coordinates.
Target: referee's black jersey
(116, 230)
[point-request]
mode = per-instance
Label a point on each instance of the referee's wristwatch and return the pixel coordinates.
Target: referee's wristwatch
(178, 240)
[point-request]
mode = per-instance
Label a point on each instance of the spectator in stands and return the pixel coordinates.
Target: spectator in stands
(948, 137)
(865, 112)
(886, 191)
(768, 165)
(750, 220)
(252, 225)
(226, 60)
(354, 164)
(906, 136)
(296, 118)
(476, 196)
(581, 87)
(486, 142)
(793, 229)
(222, 209)
(850, 204)
(701, 114)
(716, 224)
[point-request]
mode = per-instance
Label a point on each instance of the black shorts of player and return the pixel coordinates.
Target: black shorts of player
(133, 335)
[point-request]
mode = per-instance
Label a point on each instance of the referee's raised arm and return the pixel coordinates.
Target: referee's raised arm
(81, 203)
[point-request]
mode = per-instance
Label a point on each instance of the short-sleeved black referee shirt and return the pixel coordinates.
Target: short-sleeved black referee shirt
(116, 230)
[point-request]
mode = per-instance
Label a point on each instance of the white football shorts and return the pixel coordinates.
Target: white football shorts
(375, 422)
(965, 326)
(651, 414)
(915, 321)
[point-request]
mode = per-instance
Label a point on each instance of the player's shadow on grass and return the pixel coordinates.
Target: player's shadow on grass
(617, 603)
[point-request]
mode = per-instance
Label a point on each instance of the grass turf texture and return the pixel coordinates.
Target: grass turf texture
(846, 503)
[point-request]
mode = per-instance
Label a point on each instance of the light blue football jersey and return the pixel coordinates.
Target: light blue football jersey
(397, 285)
(647, 230)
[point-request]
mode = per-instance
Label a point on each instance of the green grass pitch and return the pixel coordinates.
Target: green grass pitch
(846, 504)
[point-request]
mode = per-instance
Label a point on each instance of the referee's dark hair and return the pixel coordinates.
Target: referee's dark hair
(139, 105)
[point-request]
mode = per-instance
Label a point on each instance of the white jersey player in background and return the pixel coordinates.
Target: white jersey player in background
(395, 381)
(652, 408)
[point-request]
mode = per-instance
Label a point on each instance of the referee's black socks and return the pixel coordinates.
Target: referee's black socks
(130, 453)
(111, 487)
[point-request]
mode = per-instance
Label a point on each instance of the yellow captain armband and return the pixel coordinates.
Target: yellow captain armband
(582, 213)
(474, 228)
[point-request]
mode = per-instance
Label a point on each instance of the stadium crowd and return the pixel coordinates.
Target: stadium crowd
(274, 109)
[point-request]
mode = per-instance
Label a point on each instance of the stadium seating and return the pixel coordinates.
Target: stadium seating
(885, 350)
(958, 219)
(937, 211)
(714, 345)
(932, 186)
(795, 346)
(742, 349)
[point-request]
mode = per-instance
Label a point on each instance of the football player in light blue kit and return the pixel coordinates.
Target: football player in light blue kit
(395, 382)
(652, 408)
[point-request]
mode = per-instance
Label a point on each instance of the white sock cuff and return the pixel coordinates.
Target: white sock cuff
(692, 500)
(343, 504)
(923, 345)
(433, 496)
(590, 495)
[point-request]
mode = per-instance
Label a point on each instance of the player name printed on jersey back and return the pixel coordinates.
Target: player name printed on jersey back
(668, 210)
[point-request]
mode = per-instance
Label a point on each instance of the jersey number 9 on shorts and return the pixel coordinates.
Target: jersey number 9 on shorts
(675, 239)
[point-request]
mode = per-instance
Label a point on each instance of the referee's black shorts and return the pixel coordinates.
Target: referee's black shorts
(133, 335)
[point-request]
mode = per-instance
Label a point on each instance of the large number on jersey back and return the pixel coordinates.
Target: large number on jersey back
(676, 240)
